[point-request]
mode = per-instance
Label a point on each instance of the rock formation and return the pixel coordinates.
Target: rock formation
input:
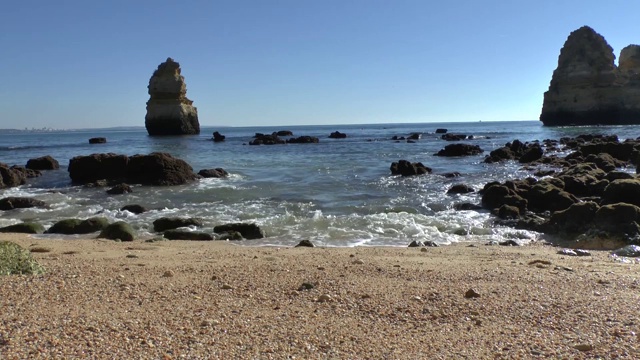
(169, 112)
(587, 88)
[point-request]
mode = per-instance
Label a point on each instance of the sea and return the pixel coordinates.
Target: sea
(336, 193)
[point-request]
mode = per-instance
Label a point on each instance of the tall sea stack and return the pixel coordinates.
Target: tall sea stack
(169, 112)
(587, 88)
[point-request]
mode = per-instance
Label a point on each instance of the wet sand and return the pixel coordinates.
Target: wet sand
(215, 300)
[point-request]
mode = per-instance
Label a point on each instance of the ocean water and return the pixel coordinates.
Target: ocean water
(339, 192)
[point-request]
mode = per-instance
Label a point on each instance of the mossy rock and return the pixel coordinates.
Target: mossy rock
(230, 235)
(187, 235)
(169, 223)
(25, 228)
(15, 260)
(118, 231)
(77, 226)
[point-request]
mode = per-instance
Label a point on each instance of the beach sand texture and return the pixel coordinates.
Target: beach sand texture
(214, 300)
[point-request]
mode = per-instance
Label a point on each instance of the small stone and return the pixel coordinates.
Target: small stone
(320, 268)
(168, 273)
(581, 252)
(324, 298)
(416, 298)
(306, 286)
(471, 293)
(358, 262)
(583, 347)
(423, 250)
(132, 256)
(478, 322)
(226, 287)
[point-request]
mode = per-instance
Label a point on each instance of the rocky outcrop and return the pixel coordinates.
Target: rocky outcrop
(10, 177)
(587, 88)
(460, 150)
(407, 168)
(169, 111)
(262, 139)
(98, 140)
(248, 231)
(337, 135)
(43, 163)
(217, 137)
(153, 169)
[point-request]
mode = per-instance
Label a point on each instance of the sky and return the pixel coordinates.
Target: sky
(86, 64)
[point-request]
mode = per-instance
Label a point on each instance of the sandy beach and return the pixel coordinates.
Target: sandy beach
(215, 300)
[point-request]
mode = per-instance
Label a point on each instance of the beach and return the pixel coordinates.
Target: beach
(214, 300)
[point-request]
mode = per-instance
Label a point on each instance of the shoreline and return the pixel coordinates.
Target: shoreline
(106, 299)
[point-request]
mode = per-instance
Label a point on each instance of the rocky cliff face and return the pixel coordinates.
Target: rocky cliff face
(587, 88)
(169, 111)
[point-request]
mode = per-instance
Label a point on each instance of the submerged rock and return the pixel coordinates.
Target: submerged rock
(460, 150)
(187, 235)
(98, 140)
(217, 137)
(169, 111)
(77, 226)
(587, 88)
(213, 173)
(337, 135)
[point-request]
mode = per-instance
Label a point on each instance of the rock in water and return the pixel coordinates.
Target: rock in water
(587, 88)
(169, 112)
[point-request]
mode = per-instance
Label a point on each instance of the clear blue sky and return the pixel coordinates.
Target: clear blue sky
(81, 63)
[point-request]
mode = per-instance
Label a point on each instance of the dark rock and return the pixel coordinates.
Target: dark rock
(26, 173)
(466, 206)
(624, 190)
(618, 218)
(187, 235)
(120, 189)
(397, 138)
(10, 177)
(217, 137)
(24, 228)
(283, 133)
(460, 189)
(441, 131)
(498, 195)
(213, 173)
(13, 202)
(451, 174)
(533, 153)
(543, 173)
(43, 163)
(77, 226)
(261, 139)
(576, 219)
(118, 231)
(337, 135)
(134, 208)
(414, 136)
(85, 169)
(168, 223)
(305, 243)
(98, 140)
(618, 175)
(416, 243)
(406, 168)
(306, 286)
(248, 231)
(158, 169)
(471, 294)
(169, 111)
(303, 140)
(453, 137)
(508, 212)
(460, 150)
(544, 197)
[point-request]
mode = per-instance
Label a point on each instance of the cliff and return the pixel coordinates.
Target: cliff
(587, 88)
(169, 111)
